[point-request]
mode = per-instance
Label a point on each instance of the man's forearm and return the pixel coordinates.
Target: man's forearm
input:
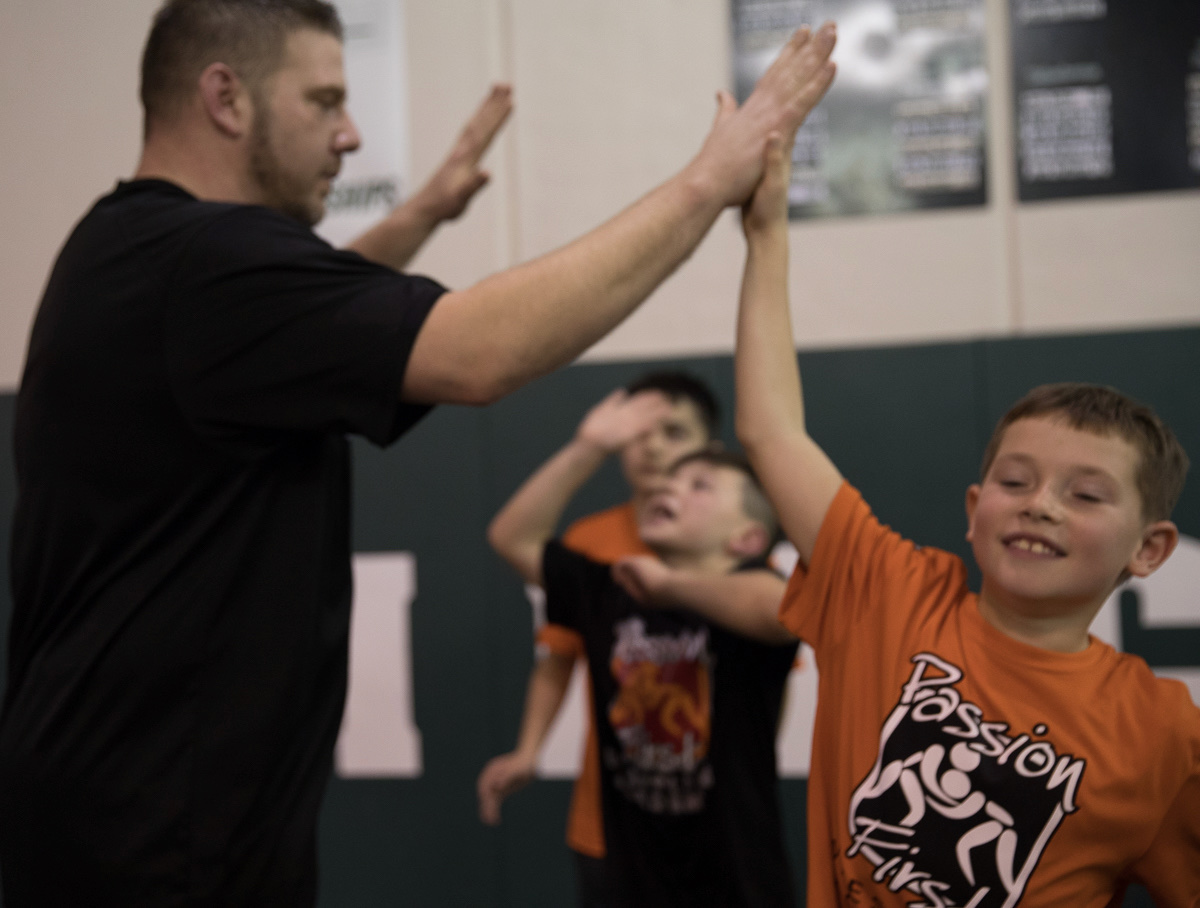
(396, 238)
(478, 345)
(483, 342)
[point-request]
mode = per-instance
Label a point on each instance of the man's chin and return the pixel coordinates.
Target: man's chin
(307, 213)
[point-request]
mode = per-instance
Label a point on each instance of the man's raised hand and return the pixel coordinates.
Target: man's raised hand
(447, 193)
(731, 160)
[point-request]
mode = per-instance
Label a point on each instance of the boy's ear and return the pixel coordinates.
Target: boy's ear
(972, 500)
(750, 541)
(1158, 542)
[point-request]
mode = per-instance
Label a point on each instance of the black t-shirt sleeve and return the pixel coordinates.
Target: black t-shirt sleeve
(270, 331)
(572, 582)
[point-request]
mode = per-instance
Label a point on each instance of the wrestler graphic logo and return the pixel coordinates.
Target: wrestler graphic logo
(956, 809)
(662, 716)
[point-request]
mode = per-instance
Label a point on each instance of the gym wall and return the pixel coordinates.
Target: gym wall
(916, 332)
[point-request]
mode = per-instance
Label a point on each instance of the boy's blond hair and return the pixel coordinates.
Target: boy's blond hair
(1162, 462)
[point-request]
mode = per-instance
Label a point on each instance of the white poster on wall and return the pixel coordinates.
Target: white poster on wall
(374, 178)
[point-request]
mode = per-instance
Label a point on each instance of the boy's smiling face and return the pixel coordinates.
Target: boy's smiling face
(1057, 521)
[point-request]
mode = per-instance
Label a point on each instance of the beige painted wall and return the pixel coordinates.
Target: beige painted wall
(611, 98)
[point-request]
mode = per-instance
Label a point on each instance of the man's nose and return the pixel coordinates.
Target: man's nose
(347, 138)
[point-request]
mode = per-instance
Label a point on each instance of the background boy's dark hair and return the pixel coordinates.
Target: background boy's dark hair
(755, 503)
(682, 386)
(247, 35)
(1162, 462)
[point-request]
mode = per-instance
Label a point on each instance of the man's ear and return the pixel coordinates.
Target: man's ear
(226, 100)
(972, 500)
(1158, 542)
(750, 541)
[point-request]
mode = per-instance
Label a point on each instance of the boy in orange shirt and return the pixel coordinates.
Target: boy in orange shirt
(981, 749)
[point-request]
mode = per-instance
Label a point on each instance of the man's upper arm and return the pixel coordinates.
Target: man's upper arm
(270, 332)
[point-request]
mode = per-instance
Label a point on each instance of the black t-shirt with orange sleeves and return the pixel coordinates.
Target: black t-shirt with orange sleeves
(606, 536)
(686, 715)
(181, 550)
(953, 765)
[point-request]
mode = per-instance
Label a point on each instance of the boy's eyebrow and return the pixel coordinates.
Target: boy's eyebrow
(1029, 459)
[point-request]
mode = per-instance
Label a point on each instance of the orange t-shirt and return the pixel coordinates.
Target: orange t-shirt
(954, 765)
(606, 536)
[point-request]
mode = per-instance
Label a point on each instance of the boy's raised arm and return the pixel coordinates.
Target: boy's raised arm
(799, 478)
(520, 531)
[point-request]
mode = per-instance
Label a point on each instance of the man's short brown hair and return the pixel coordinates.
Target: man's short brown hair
(1162, 462)
(247, 35)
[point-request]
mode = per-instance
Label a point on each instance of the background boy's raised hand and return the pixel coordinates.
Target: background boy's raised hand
(620, 418)
(520, 531)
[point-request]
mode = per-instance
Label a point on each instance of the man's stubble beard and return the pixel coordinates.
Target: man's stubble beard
(279, 191)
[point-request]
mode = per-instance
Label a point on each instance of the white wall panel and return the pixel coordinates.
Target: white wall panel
(1125, 262)
(611, 99)
(72, 128)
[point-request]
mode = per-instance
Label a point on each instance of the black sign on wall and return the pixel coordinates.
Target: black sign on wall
(1106, 95)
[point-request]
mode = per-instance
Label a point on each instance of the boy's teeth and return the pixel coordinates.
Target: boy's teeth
(1036, 548)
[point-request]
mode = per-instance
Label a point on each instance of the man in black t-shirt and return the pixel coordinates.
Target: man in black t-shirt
(685, 711)
(180, 556)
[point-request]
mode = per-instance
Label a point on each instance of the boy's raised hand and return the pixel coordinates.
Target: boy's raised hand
(525, 524)
(621, 417)
(767, 209)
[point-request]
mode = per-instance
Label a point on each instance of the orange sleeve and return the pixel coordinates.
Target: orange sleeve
(607, 535)
(1170, 868)
(562, 641)
(858, 567)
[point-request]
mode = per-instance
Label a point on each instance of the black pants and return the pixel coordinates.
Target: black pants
(592, 884)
